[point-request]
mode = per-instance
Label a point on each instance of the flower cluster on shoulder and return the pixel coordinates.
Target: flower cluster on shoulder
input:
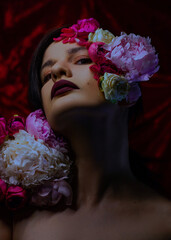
(120, 62)
(34, 163)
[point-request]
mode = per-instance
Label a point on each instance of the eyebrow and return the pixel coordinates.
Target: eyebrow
(75, 50)
(70, 51)
(46, 64)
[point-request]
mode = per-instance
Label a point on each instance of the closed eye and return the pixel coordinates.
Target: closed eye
(46, 78)
(84, 61)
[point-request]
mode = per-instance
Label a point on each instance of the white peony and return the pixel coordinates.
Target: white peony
(28, 161)
(101, 35)
(115, 87)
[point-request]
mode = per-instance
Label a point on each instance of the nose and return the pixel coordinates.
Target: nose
(59, 70)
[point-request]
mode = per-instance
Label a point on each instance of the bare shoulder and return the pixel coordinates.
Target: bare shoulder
(5, 231)
(5, 224)
(39, 224)
(146, 219)
(118, 220)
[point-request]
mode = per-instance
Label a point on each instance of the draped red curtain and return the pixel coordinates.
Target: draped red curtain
(23, 24)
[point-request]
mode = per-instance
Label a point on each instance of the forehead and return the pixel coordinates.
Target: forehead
(58, 49)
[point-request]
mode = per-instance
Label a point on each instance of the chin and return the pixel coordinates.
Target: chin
(58, 109)
(64, 103)
(60, 105)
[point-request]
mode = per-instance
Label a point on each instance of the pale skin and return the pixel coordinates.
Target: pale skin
(120, 209)
(5, 224)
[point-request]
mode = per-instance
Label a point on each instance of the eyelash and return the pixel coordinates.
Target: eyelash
(46, 78)
(82, 60)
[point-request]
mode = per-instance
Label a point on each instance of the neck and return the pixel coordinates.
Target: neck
(89, 182)
(95, 187)
(101, 158)
(89, 175)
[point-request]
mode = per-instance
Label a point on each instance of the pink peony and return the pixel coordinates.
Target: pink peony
(51, 193)
(15, 197)
(15, 123)
(68, 35)
(100, 69)
(38, 126)
(134, 55)
(3, 129)
(86, 25)
(97, 52)
(78, 31)
(3, 188)
(102, 64)
(96, 69)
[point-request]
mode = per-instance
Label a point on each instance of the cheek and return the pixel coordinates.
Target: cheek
(85, 78)
(89, 85)
(92, 91)
(46, 96)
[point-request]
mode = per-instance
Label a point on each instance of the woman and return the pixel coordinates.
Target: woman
(109, 202)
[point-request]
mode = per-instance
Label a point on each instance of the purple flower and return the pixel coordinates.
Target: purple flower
(133, 94)
(134, 55)
(38, 126)
(51, 193)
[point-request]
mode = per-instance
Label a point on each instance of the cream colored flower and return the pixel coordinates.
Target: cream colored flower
(101, 35)
(115, 87)
(29, 162)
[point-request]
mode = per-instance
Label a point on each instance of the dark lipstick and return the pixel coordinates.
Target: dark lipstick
(61, 87)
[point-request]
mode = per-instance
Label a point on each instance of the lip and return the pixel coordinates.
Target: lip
(61, 87)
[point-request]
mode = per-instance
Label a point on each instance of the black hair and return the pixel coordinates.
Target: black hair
(35, 66)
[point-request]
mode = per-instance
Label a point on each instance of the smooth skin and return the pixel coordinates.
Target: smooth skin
(110, 203)
(70, 62)
(6, 224)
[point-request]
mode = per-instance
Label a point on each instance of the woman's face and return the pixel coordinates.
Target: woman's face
(69, 62)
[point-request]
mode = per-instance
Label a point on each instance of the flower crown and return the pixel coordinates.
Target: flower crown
(120, 62)
(34, 163)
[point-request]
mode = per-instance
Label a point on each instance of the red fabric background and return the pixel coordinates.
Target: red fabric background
(23, 23)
